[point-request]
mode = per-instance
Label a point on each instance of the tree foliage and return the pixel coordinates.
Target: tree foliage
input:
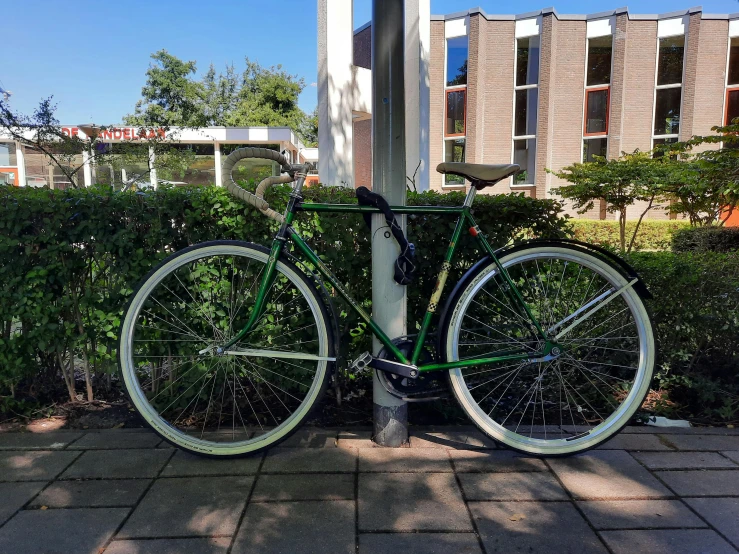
(258, 96)
(621, 183)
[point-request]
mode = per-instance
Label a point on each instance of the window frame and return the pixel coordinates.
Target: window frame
(447, 91)
(729, 90)
(516, 88)
(665, 87)
(597, 88)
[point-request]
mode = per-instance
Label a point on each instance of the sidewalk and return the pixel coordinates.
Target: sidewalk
(328, 491)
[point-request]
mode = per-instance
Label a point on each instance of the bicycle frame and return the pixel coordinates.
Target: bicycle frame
(465, 220)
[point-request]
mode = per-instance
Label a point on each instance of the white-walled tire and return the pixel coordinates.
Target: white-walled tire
(198, 299)
(575, 401)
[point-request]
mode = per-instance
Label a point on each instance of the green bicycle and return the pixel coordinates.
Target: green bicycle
(227, 346)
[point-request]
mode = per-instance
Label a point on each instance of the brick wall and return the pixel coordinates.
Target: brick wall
(710, 75)
(566, 100)
(476, 76)
(497, 144)
(690, 62)
(363, 154)
(618, 84)
(641, 57)
(436, 104)
(363, 48)
(544, 128)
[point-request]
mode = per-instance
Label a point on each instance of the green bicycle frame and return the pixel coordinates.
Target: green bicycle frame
(465, 220)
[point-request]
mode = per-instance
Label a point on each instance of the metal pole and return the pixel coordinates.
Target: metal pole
(388, 179)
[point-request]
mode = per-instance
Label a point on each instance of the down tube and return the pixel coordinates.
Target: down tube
(326, 272)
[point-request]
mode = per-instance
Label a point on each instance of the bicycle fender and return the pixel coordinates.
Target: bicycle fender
(623, 267)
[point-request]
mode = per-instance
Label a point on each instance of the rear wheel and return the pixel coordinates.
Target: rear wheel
(579, 398)
(257, 392)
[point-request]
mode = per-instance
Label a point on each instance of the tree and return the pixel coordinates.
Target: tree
(268, 96)
(631, 178)
(309, 133)
(170, 96)
(706, 182)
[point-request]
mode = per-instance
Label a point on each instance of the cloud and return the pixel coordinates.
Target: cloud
(313, 84)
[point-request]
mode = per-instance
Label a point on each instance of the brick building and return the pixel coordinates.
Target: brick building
(544, 90)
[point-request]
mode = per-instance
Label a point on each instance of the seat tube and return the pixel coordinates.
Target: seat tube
(470, 196)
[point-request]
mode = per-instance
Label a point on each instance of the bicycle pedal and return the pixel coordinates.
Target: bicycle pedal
(361, 363)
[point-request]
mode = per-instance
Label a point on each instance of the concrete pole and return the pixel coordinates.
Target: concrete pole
(217, 159)
(388, 179)
(21, 162)
(153, 171)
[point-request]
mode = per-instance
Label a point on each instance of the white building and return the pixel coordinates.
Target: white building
(21, 165)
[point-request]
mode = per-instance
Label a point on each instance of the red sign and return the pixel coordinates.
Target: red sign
(119, 133)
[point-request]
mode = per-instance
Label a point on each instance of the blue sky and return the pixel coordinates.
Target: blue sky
(91, 55)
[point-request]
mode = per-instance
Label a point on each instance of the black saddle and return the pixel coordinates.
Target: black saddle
(480, 175)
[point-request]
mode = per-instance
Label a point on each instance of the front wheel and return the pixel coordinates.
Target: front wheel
(569, 402)
(252, 395)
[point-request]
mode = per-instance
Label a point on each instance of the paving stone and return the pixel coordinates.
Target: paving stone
(33, 465)
(311, 438)
(411, 502)
(171, 546)
(635, 442)
(316, 486)
(639, 514)
(732, 455)
(92, 494)
(427, 543)
(14, 497)
(184, 464)
(704, 442)
(310, 460)
(52, 440)
(112, 439)
(189, 506)
(405, 460)
(651, 429)
(722, 513)
(356, 439)
(682, 460)
(84, 530)
(534, 527)
(672, 541)
(118, 464)
(702, 483)
(470, 461)
(305, 527)
(607, 474)
(451, 440)
(511, 486)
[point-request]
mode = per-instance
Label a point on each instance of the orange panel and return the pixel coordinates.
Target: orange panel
(12, 170)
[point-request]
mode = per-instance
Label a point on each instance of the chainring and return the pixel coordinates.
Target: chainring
(426, 387)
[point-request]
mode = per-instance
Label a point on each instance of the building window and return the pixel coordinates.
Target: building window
(456, 108)
(456, 61)
(454, 152)
(668, 96)
(455, 104)
(597, 97)
(7, 154)
(594, 147)
(525, 108)
(732, 82)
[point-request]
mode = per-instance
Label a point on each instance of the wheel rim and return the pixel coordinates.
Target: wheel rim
(582, 397)
(228, 404)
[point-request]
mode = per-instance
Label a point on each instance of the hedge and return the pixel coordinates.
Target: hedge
(653, 234)
(70, 259)
(706, 239)
(696, 317)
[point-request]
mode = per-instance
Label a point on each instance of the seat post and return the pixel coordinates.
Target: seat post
(470, 196)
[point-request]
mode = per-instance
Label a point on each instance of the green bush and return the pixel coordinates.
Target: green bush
(706, 239)
(653, 235)
(696, 317)
(70, 259)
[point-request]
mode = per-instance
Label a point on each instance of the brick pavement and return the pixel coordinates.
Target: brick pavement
(332, 491)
